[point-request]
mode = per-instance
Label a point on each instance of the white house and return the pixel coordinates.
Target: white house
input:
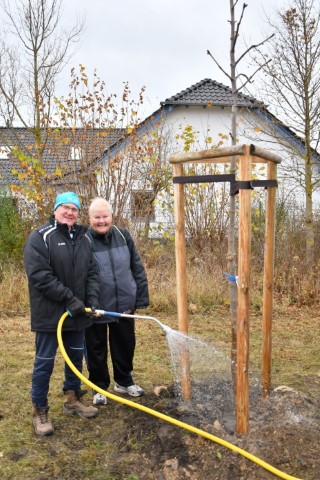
(134, 172)
(199, 117)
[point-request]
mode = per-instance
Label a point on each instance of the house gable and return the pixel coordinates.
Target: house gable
(202, 106)
(208, 92)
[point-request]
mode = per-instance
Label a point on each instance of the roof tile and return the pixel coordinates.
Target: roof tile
(210, 91)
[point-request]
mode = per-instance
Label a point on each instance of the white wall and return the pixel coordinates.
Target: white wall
(215, 122)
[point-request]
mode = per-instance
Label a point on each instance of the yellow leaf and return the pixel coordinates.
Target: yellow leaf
(21, 176)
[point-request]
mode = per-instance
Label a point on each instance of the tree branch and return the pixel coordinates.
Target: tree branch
(251, 76)
(244, 6)
(218, 65)
(252, 47)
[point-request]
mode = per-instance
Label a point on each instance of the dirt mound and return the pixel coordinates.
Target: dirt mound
(284, 432)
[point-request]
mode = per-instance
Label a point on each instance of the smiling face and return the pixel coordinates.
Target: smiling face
(67, 213)
(100, 216)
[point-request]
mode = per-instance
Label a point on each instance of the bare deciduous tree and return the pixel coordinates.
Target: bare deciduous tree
(39, 51)
(118, 156)
(34, 50)
(291, 86)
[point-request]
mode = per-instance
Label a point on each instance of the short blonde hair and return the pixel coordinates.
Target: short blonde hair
(99, 201)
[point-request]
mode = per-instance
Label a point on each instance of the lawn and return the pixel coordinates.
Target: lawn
(125, 444)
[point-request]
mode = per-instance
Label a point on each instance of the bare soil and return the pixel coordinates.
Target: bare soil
(284, 432)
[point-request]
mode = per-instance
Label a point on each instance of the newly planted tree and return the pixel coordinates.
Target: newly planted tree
(238, 82)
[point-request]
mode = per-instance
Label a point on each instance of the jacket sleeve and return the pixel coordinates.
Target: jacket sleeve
(138, 272)
(93, 284)
(39, 271)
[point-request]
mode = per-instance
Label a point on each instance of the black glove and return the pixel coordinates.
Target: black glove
(75, 307)
(94, 304)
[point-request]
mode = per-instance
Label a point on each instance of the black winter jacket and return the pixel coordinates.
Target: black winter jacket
(59, 268)
(123, 280)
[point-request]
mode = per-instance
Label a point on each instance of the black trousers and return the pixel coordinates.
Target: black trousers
(120, 336)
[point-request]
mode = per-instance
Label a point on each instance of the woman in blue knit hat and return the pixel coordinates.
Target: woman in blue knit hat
(62, 275)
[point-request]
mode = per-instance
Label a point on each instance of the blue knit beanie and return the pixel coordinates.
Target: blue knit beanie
(67, 197)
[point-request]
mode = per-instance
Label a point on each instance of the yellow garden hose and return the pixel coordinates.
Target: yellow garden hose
(166, 418)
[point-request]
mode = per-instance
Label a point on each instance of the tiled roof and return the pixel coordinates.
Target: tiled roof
(61, 148)
(92, 143)
(210, 92)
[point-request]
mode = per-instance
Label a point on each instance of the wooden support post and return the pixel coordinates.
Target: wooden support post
(221, 155)
(244, 260)
(268, 281)
(181, 275)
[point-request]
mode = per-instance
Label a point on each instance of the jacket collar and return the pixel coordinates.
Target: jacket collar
(100, 236)
(62, 227)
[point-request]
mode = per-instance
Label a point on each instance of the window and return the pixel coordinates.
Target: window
(142, 205)
(75, 153)
(4, 152)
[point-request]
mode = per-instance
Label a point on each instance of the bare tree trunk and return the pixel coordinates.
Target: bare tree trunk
(231, 235)
(309, 188)
(309, 216)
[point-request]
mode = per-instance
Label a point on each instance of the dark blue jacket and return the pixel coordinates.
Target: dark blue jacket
(58, 269)
(123, 280)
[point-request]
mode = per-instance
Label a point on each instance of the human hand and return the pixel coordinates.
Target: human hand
(94, 306)
(75, 307)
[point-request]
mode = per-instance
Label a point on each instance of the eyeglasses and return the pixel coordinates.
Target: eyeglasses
(72, 209)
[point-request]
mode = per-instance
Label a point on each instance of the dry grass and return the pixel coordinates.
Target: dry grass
(89, 449)
(85, 449)
(14, 299)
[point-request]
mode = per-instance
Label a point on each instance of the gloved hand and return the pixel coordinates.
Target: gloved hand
(93, 302)
(75, 307)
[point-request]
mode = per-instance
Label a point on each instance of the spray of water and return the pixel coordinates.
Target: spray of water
(209, 372)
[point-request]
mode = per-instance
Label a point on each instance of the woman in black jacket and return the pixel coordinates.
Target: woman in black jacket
(123, 288)
(62, 275)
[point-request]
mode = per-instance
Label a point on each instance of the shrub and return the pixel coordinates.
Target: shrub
(12, 232)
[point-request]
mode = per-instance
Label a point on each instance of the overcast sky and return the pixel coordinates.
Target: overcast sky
(160, 44)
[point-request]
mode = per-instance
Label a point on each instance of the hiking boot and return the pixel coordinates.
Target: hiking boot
(99, 399)
(75, 404)
(133, 390)
(41, 423)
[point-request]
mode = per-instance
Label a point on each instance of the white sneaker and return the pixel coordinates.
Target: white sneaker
(99, 399)
(133, 390)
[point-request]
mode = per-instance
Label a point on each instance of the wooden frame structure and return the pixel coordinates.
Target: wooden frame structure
(246, 155)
